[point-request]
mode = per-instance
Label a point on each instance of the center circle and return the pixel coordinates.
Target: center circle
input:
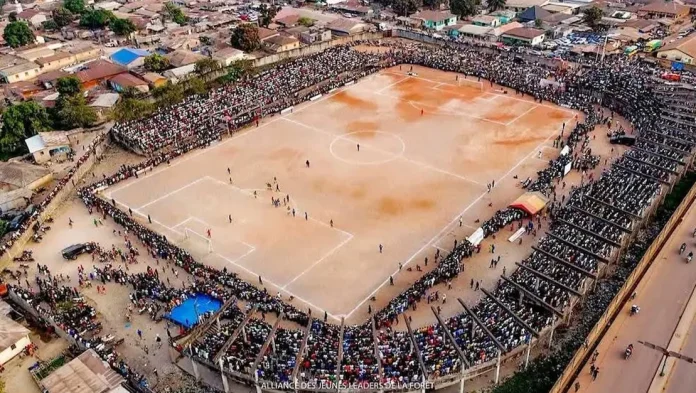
(375, 147)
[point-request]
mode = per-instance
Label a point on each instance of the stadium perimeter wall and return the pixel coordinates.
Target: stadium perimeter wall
(60, 197)
(580, 357)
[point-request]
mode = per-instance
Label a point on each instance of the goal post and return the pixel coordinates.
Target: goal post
(191, 235)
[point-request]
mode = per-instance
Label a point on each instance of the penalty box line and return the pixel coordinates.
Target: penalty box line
(480, 84)
(243, 268)
(251, 248)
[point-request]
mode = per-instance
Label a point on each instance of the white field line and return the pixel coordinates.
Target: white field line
(394, 84)
(388, 153)
(426, 245)
(167, 195)
(320, 260)
(520, 116)
(248, 131)
(243, 268)
(462, 78)
(438, 236)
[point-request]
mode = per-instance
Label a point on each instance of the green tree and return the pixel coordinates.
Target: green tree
(246, 38)
(18, 34)
(464, 8)
(168, 94)
(156, 63)
(592, 17)
(50, 25)
(266, 14)
(62, 16)
(71, 109)
(3, 230)
(406, 7)
(236, 71)
(21, 121)
(130, 108)
(494, 5)
(195, 86)
(206, 66)
(122, 27)
(96, 19)
(305, 21)
(538, 23)
(68, 86)
(175, 13)
(75, 6)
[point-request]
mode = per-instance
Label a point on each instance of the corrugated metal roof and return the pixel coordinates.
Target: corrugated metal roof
(126, 56)
(35, 143)
(20, 175)
(106, 100)
(85, 374)
(10, 331)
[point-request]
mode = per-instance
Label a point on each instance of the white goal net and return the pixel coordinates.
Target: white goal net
(197, 243)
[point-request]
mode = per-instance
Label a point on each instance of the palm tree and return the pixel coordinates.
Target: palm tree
(494, 5)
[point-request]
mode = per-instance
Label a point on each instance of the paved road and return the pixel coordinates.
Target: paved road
(662, 295)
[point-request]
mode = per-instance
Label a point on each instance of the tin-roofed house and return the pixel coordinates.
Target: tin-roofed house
(87, 373)
(129, 57)
(13, 336)
(49, 146)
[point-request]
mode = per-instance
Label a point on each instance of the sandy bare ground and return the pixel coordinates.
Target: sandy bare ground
(394, 160)
(406, 188)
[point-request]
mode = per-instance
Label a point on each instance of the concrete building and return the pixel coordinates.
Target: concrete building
(181, 57)
(343, 27)
(315, 35)
(49, 146)
(129, 57)
(121, 82)
(282, 43)
(265, 33)
(227, 56)
(663, 9)
(20, 72)
(56, 61)
(13, 336)
(683, 51)
(104, 102)
(521, 5)
(155, 79)
(33, 17)
(523, 36)
(98, 71)
(435, 20)
(33, 52)
(87, 373)
(472, 31)
(486, 21)
(18, 175)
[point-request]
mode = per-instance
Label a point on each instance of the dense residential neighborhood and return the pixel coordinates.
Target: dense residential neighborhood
(101, 95)
(107, 44)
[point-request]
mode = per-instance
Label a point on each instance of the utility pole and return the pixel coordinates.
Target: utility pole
(667, 353)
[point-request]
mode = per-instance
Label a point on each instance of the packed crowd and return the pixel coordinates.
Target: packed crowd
(63, 307)
(69, 178)
(607, 207)
(241, 103)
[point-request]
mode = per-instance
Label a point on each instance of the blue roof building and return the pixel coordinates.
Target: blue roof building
(129, 57)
